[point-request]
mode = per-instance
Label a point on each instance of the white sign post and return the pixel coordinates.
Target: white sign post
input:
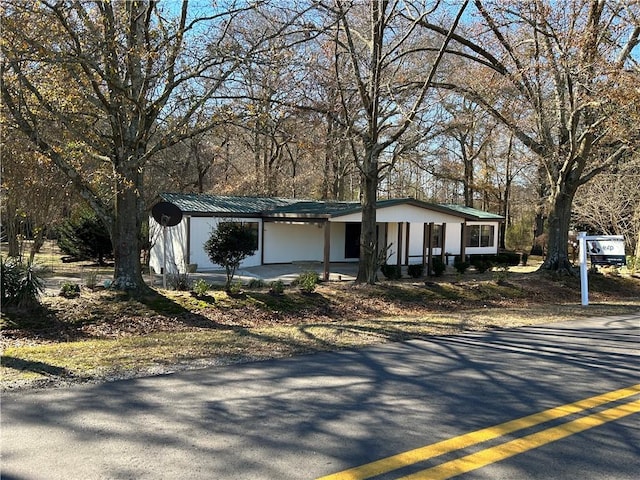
(584, 277)
(603, 250)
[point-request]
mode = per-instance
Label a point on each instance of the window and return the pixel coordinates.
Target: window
(480, 235)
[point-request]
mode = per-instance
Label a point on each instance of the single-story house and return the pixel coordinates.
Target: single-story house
(294, 230)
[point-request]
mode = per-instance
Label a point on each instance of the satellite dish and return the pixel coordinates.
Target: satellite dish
(166, 214)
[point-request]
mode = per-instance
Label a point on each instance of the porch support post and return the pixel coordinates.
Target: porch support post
(399, 242)
(386, 240)
(425, 243)
(407, 242)
(187, 255)
(430, 247)
(327, 249)
(463, 241)
(262, 243)
(444, 242)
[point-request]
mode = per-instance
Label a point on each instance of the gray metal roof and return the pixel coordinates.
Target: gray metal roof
(202, 204)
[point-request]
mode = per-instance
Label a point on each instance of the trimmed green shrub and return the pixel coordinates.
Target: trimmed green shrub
(415, 270)
(200, 287)
(255, 283)
(481, 263)
(508, 258)
(501, 274)
(277, 287)
(439, 267)
(307, 281)
(69, 290)
(235, 288)
(460, 265)
(228, 245)
(391, 272)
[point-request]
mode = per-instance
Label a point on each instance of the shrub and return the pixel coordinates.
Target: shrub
(256, 283)
(69, 290)
(508, 258)
(481, 263)
(391, 272)
(460, 265)
(180, 282)
(228, 245)
(20, 284)
(84, 237)
(307, 281)
(200, 287)
(235, 288)
(415, 271)
(439, 267)
(277, 287)
(91, 279)
(501, 274)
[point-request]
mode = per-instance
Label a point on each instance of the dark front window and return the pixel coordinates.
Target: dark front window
(480, 235)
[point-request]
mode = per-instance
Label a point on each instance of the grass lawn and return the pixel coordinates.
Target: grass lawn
(104, 334)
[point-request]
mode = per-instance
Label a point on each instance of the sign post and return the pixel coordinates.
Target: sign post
(603, 250)
(584, 277)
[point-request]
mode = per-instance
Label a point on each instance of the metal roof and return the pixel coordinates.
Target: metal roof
(271, 207)
(224, 205)
(473, 212)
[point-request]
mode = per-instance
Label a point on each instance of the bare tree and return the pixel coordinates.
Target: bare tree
(611, 206)
(553, 75)
(120, 81)
(377, 42)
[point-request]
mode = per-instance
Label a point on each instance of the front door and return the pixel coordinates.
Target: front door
(352, 240)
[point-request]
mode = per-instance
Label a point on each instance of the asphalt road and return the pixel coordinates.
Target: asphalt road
(490, 399)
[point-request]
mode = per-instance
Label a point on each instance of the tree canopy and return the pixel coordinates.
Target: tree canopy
(513, 107)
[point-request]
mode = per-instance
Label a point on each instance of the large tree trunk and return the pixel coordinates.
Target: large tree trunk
(129, 208)
(558, 230)
(368, 266)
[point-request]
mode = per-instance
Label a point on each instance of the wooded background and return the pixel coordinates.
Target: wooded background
(529, 109)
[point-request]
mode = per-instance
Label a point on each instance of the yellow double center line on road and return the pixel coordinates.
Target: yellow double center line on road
(505, 450)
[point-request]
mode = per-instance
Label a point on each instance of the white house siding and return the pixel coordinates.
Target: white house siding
(408, 213)
(300, 241)
(176, 241)
(416, 217)
(293, 242)
(201, 228)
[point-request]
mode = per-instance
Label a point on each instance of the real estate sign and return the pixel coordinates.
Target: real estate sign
(606, 250)
(603, 250)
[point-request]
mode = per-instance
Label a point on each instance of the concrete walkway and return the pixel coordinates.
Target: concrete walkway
(286, 273)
